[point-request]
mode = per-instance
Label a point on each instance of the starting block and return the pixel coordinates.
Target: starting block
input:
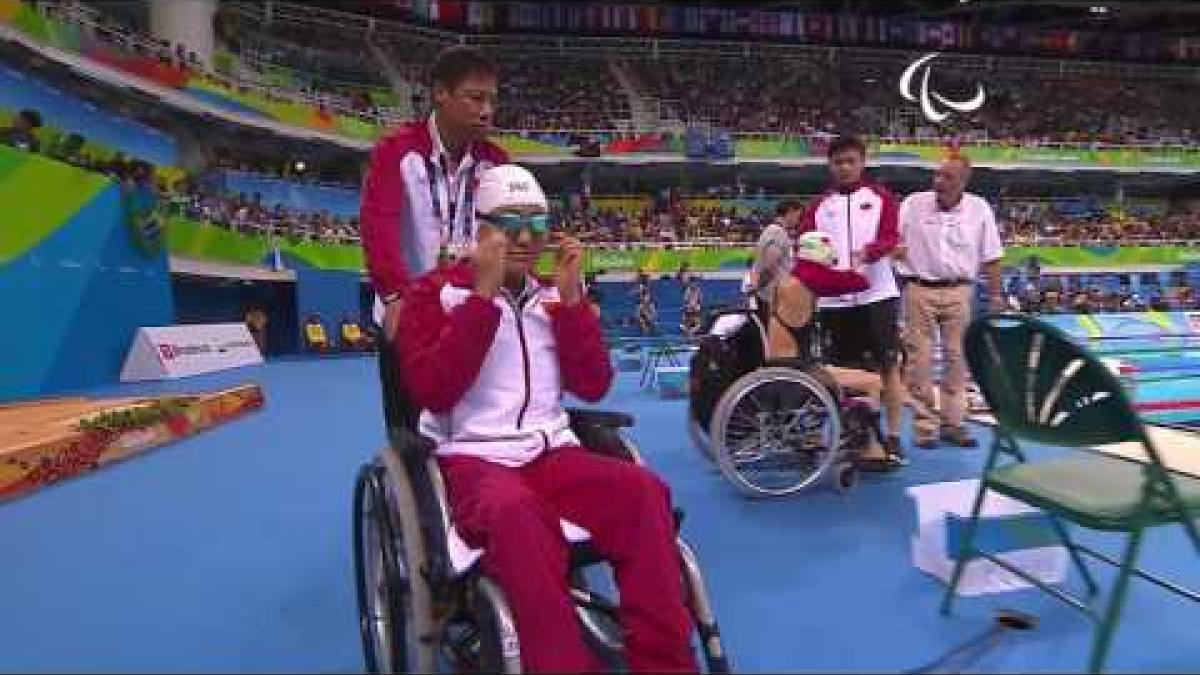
(671, 382)
(1012, 531)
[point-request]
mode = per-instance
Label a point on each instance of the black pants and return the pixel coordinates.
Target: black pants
(865, 337)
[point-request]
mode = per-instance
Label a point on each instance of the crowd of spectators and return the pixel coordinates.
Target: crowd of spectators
(811, 97)
(713, 225)
(750, 93)
(247, 214)
(559, 94)
(187, 198)
(1024, 221)
(1030, 223)
(817, 96)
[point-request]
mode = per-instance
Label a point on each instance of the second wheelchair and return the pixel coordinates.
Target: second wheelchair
(774, 427)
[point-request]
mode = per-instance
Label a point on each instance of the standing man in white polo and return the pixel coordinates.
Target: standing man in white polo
(947, 237)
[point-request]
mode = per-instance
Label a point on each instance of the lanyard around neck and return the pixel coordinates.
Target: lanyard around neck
(448, 218)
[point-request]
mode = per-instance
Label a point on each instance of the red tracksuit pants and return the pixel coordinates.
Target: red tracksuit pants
(513, 515)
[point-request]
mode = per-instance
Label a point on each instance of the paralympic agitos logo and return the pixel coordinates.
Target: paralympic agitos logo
(928, 97)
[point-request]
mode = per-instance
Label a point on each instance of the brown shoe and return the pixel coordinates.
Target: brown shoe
(959, 437)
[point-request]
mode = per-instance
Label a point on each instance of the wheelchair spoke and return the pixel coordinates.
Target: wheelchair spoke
(779, 435)
(747, 451)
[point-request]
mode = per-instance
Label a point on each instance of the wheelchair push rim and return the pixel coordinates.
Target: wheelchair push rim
(383, 579)
(775, 432)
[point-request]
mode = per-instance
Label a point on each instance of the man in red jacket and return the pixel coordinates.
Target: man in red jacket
(488, 351)
(417, 199)
(862, 327)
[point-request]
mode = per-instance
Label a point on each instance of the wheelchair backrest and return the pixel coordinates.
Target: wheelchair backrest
(399, 413)
(743, 329)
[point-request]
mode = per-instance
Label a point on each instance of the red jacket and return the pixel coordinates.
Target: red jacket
(491, 374)
(401, 236)
(861, 219)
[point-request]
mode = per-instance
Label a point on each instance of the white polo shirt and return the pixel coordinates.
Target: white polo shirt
(947, 245)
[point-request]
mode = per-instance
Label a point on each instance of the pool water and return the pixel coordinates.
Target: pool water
(1173, 390)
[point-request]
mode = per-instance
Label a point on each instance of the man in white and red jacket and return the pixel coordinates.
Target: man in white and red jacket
(862, 328)
(420, 185)
(488, 351)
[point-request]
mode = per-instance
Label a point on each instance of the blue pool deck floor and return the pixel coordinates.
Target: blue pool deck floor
(231, 552)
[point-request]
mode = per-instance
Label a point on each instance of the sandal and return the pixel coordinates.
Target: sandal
(895, 451)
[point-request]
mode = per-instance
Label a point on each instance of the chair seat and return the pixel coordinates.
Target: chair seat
(1098, 492)
(463, 557)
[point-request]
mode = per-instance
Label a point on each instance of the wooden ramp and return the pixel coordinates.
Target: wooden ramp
(43, 442)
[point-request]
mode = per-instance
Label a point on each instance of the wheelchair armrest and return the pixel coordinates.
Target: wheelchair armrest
(599, 418)
(600, 431)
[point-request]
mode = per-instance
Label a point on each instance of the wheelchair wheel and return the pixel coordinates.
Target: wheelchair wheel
(775, 431)
(394, 603)
(499, 649)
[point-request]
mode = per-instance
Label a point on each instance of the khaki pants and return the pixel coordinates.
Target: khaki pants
(930, 312)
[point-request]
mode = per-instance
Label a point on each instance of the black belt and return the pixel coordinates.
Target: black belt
(940, 283)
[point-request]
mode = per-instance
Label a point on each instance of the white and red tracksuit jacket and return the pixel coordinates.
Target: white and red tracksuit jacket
(860, 219)
(490, 374)
(401, 234)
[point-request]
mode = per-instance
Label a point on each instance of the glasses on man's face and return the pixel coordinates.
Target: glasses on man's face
(513, 223)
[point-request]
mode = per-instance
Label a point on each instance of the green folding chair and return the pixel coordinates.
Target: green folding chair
(1044, 388)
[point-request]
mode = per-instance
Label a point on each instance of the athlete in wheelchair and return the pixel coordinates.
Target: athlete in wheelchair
(475, 528)
(762, 406)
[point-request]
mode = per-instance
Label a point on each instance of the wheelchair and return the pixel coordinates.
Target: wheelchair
(774, 427)
(425, 605)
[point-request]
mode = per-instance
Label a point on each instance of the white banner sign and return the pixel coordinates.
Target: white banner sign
(169, 352)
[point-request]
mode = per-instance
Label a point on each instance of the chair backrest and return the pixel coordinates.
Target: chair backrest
(314, 331)
(1042, 386)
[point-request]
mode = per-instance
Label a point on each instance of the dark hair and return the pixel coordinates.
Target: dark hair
(843, 143)
(455, 64)
(787, 206)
